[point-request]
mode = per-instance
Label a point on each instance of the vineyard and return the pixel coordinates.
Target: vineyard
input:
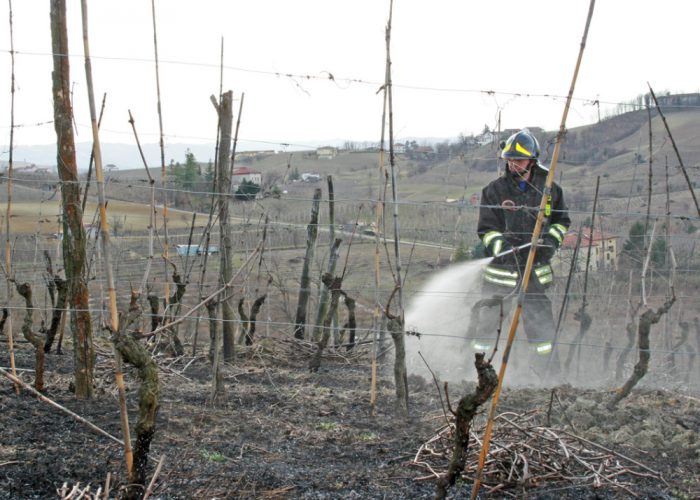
(305, 323)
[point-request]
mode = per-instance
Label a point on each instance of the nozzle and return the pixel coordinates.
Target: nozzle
(514, 249)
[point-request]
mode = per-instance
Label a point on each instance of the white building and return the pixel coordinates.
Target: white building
(245, 174)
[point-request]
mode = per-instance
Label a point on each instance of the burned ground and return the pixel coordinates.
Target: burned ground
(283, 432)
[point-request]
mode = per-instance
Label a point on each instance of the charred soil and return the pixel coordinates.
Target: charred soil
(282, 432)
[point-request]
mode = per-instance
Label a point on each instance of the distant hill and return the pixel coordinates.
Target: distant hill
(616, 149)
(124, 156)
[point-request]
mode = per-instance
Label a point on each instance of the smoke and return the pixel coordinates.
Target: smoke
(440, 312)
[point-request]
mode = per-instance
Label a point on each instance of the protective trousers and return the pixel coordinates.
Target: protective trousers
(536, 317)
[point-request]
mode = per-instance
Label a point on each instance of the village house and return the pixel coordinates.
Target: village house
(245, 174)
(421, 153)
(603, 251)
(399, 148)
(327, 152)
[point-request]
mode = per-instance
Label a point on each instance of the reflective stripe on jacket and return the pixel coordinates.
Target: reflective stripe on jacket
(502, 276)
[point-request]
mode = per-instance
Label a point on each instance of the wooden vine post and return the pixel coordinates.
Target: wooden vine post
(74, 239)
(223, 178)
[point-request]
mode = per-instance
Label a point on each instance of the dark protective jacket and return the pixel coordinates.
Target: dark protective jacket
(508, 215)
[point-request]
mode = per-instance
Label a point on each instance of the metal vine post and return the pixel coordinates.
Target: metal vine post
(92, 153)
(400, 376)
(8, 213)
(675, 148)
(379, 223)
(163, 171)
(206, 236)
(151, 211)
(645, 267)
(584, 317)
(563, 308)
(649, 179)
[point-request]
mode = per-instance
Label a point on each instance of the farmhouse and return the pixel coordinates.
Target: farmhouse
(327, 152)
(422, 153)
(603, 250)
(245, 174)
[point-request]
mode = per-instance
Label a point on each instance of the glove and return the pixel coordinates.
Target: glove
(546, 250)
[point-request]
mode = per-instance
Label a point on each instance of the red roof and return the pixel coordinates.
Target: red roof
(572, 236)
(244, 171)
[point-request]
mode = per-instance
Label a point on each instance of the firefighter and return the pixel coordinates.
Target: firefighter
(507, 217)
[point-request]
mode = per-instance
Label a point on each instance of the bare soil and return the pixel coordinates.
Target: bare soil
(283, 432)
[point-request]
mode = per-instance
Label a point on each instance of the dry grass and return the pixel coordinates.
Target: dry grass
(42, 216)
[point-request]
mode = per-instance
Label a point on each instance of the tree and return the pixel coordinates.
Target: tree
(209, 172)
(185, 176)
(247, 190)
(634, 246)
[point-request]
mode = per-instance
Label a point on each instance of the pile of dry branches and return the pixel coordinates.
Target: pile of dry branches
(524, 455)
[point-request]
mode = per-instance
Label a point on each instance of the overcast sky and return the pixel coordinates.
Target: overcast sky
(446, 54)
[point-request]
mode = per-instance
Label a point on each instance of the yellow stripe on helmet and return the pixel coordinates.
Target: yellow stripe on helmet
(521, 149)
